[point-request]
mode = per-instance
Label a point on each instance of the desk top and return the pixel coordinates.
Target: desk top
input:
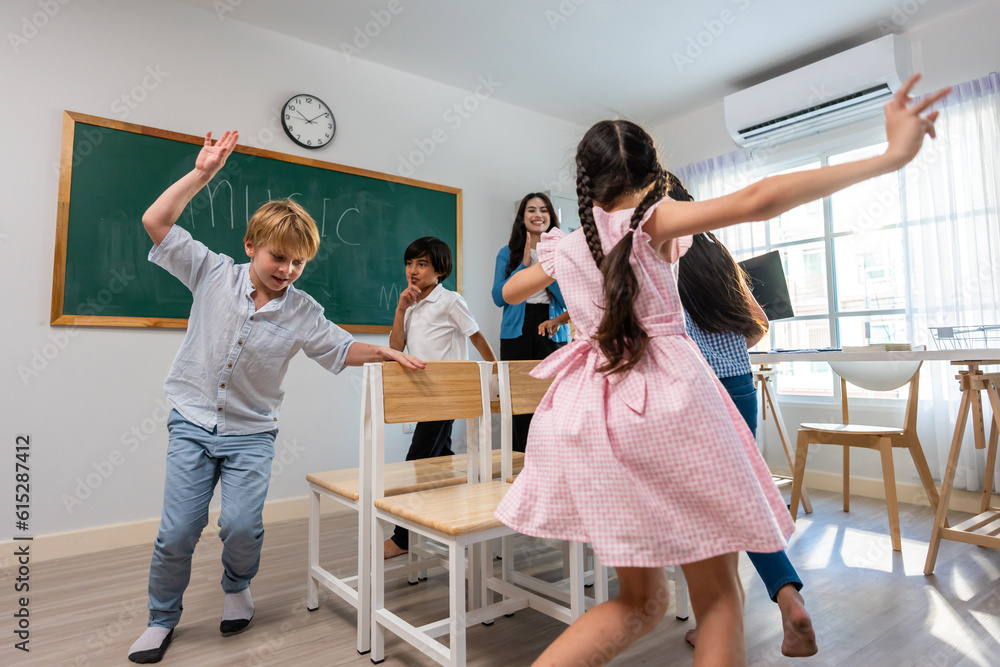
(923, 355)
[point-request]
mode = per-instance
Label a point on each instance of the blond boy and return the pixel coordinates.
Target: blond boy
(225, 387)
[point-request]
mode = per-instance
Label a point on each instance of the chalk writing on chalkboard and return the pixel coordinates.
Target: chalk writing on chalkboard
(112, 171)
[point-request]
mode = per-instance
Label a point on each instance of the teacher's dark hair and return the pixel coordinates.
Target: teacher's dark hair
(518, 232)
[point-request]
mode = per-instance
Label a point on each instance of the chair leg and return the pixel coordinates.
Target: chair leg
(681, 594)
(577, 603)
(920, 463)
(456, 590)
(801, 451)
(847, 478)
(600, 581)
(312, 588)
(889, 478)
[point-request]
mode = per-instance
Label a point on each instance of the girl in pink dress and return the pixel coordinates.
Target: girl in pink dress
(636, 447)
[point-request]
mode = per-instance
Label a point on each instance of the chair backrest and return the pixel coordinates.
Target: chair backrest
(520, 394)
(880, 376)
(443, 390)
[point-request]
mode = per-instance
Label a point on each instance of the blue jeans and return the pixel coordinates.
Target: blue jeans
(774, 569)
(196, 460)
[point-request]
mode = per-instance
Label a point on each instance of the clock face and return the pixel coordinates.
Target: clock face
(308, 121)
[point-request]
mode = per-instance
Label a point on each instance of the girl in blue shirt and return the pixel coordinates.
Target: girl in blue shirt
(537, 327)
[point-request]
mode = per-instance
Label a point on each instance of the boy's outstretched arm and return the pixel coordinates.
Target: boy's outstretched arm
(359, 354)
(482, 345)
(161, 216)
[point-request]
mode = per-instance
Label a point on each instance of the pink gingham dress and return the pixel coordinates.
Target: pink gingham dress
(656, 467)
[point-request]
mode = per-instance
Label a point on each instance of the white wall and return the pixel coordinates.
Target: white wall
(95, 385)
(953, 49)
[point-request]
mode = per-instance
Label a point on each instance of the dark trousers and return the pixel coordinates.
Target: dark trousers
(529, 345)
(430, 439)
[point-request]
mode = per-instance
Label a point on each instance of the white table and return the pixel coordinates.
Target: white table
(982, 529)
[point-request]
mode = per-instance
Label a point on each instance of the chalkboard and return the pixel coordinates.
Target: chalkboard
(110, 172)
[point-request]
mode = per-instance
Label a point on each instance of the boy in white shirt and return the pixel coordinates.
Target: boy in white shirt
(433, 323)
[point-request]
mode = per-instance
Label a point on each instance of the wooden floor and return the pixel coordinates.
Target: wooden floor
(871, 606)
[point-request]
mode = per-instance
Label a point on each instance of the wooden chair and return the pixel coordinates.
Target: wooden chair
(458, 517)
(520, 394)
(346, 488)
(874, 376)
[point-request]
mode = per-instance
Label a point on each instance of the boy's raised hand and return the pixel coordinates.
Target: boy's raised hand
(904, 126)
(408, 297)
(212, 157)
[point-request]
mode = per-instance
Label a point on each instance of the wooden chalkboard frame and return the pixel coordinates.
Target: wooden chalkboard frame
(71, 118)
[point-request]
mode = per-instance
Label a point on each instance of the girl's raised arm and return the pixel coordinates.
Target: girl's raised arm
(770, 197)
(524, 283)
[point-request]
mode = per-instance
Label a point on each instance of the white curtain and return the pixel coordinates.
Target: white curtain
(949, 195)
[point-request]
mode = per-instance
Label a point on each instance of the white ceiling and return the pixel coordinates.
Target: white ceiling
(575, 59)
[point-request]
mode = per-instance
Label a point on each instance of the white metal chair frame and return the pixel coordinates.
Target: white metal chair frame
(356, 589)
(570, 590)
(416, 513)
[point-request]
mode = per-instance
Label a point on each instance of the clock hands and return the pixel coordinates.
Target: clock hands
(302, 117)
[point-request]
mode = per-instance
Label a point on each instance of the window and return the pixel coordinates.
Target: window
(898, 258)
(846, 262)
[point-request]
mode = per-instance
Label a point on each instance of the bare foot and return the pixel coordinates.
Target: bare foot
(799, 640)
(691, 635)
(390, 550)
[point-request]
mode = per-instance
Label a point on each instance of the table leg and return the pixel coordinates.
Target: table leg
(779, 423)
(941, 515)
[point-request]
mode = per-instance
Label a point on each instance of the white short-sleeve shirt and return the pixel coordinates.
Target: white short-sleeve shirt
(437, 328)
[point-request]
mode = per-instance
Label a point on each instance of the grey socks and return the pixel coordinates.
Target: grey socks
(151, 645)
(237, 612)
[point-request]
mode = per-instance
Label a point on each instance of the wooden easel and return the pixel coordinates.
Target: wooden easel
(984, 528)
(762, 377)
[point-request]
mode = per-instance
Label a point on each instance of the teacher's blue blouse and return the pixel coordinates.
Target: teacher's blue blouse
(513, 316)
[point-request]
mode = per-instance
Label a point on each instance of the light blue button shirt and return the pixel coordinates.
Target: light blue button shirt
(229, 370)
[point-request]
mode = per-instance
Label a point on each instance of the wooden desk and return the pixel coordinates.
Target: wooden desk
(983, 529)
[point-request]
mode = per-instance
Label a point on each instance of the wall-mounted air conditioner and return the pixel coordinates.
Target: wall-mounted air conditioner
(829, 93)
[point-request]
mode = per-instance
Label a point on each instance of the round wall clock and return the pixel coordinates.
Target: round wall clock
(308, 121)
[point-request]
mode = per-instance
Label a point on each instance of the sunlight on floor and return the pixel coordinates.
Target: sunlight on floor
(945, 623)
